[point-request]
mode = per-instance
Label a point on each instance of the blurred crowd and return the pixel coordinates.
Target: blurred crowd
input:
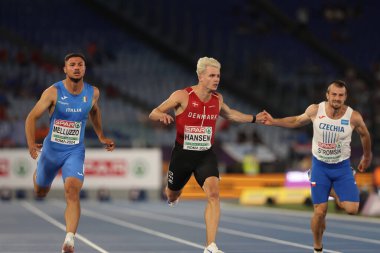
(266, 63)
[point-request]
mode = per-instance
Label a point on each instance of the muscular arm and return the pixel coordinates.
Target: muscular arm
(365, 138)
(234, 115)
(96, 119)
(237, 116)
(177, 100)
(48, 99)
(293, 121)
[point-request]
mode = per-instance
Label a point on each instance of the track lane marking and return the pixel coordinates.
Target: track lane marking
(59, 225)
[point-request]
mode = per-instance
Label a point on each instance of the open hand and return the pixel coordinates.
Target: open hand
(109, 145)
(34, 150)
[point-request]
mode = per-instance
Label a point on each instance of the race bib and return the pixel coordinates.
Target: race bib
(66, 132)
(329, 152)
(197, 138)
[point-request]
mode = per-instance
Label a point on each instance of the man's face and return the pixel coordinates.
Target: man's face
(336, 96)
(75, 68)
(210, 78)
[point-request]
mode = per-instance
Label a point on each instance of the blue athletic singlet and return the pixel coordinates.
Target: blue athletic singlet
(68, 121)
(63, 147)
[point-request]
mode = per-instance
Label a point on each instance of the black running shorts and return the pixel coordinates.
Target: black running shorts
(184, 163)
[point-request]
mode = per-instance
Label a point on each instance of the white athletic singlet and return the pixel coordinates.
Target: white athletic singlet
(332, 137)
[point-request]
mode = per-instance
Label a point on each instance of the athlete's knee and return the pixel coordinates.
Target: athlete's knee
(351, 209)
(41, 192)
(172, 195)
(72, 196)
(320, 212)
(211, 187)
(213, 194)
(72, 193)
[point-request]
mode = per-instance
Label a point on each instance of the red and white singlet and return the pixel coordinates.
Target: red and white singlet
(196, 124)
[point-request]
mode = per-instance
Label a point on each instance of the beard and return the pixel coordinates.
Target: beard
(336, 105)
(75, 80)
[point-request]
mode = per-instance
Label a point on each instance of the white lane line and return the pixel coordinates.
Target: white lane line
(242, 221)
(56, 223)
(160, 217)
(336, 220)
(295, 229)
(129, 225)
(297, 214)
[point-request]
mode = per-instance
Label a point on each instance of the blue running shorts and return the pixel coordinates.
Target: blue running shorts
(324, 176)
(50, 161)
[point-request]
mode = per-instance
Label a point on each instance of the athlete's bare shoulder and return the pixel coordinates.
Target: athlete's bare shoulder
(50, 93)
(179, 96)
(356, 119)
(220, 97)
(312, 110)
(96, 93)
(96, 89)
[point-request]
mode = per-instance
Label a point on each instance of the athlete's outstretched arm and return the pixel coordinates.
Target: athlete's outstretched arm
(175, 101)
(47, 100)
(237, 116)
(365, 138)
(292, 121)
(96, 119)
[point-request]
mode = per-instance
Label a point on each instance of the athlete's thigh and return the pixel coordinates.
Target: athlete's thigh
(73, 165)
(48, 165)
(345, 186)
(206, 167)
(180, 168)
(320, 183)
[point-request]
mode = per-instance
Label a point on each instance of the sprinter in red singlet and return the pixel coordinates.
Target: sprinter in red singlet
(196, 110)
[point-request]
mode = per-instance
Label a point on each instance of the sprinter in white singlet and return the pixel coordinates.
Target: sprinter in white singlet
(333, 123)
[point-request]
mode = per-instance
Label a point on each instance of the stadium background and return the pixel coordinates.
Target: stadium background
(275, 55)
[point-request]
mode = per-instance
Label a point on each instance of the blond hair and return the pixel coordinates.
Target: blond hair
(206, 61)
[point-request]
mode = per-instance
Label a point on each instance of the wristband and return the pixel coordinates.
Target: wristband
(254, 119)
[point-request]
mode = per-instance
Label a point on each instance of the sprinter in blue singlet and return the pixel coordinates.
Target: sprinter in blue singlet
(69, 103)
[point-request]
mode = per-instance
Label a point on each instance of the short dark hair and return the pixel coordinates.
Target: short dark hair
(339, 84)
(71, 55)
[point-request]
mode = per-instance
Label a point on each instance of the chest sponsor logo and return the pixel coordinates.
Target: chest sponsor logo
(67, 123)
(198, 130)
(326, 145)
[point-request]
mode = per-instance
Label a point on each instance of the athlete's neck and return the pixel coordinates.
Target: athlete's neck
(73, 86)
(203, 94)
(336, 113)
